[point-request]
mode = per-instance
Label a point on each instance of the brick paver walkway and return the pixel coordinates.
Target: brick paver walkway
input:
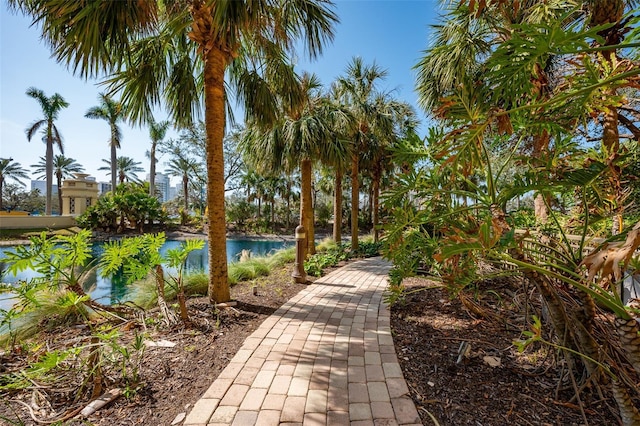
(326, 357)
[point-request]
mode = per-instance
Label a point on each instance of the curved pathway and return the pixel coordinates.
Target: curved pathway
(326, 357)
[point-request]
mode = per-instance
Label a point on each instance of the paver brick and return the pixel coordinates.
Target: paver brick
(298, 387)
(397, 387)
(337, 418)
(316, 401)
(360, 411)
(202, 411)
(405, 410)
(268, 418)
(218, 388)
(382, 410)
(273, 402)
(247, 375)
(235, 395)
(392, 370)
(280, 385)
(253, 400)
(293, 410)
(223, 414)
(244, 418)
(378, 392)
(315, 419)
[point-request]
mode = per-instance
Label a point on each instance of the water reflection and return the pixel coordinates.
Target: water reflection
(114, 290)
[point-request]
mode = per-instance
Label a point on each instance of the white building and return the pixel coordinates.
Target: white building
(163, 186)
(104, 187)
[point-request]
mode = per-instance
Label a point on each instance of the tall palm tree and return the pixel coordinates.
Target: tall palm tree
(126, 169)
(112, 112)
(10, 169)
(376, 159)
(157, 132)
(358, 90)
(63, 167)
(51, 107)
(171, 50)
(183, 168)
(304, 135)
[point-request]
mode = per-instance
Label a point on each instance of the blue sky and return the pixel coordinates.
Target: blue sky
(391, 33)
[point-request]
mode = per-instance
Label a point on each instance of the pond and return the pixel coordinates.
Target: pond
(110, 291)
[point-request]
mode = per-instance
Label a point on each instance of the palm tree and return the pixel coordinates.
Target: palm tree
(10, 170)
(64, 167)
(304, 134)
(126, 169)
(157, 132)
(183, 168)
(171, 50)
(51, 107)
(376, 159)
(358, 90)
(112, 112)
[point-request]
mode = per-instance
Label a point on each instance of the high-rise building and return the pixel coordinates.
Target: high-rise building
(163, 186)
(104, 187)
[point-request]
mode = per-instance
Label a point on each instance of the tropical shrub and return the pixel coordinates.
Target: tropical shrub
(130, 207)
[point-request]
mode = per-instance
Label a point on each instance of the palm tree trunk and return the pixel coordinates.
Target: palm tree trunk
(152, 171)
(49, 176)
(113, 168)
(214, 68)
(540, 150)
(629, 333)
(59, 182)
(185, 189)
(1, 191)
(628, 412)
(355, 202)
(306, 211)
(273, 215)
(611, 143)
(376, 213)
(337, 209)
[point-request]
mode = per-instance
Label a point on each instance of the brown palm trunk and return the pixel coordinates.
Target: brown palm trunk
(355, 201)
(337, 209)
(375, 206)
(306, 209)
(59, 182)
(114, 170)
(185, 188)
(611, 142)
(49, 176)
(152, 171)
(1, 191)
(214, 68)
(540, 150)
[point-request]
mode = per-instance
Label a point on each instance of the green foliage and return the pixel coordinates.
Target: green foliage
(323, 212)
(239, 212)
(331, 256)
(247, 270)
(139, 256)
(131, 206)
(56, 295)
(523, 219)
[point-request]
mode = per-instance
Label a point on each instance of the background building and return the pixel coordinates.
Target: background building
(41, 186)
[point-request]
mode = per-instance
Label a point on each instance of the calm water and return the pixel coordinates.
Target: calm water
(109, 291)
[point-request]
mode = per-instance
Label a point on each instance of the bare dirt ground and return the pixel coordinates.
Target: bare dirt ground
(491, 385)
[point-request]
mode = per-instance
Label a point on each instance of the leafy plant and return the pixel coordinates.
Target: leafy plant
(130, 206)
(63, 263)
(139, 256)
